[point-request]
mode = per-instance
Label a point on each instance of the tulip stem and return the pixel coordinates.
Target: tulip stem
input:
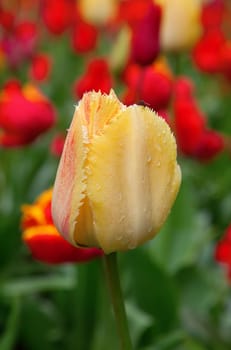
(113, 281)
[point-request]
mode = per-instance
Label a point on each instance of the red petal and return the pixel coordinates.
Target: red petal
(48, 246)
(223, 252)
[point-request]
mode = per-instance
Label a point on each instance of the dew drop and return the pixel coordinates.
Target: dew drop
(121, 218)
(131, 245)
(98, 187)
(149, 229)
(149, 159)
(119, 237)
(158, 147)
(158, 164)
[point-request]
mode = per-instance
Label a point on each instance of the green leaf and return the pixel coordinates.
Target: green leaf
(184, 234)
(11, 330)
(151, 289)
(201, 289)
(41, 326)
(139, 322)
(25, 286)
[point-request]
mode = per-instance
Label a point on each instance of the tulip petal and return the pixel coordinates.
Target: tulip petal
(133, 178)
(70, 180)
(96, 111)
(47, 245)
(70, 207)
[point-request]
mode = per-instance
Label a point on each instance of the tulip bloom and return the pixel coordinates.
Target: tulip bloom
(151, 84)
(98, 12)
(180, 25)
(118, 176)
(43, 239)
(97, 77)
(25, 113)
(56, 146)
(207, 52)
(20, 44)
(145, 45)
(194, 137)
(84, 36)
(58, 15)
(222, 252)
(40, 67)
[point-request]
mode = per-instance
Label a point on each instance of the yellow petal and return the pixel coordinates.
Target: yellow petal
(133, 179)
(96, 110)
(98, 11)
(181, 24)
(70, 206)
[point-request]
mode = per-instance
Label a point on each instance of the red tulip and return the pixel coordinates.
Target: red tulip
(133, 11)
(152, 85)
(58, 15)
(97, 77)
(20, 43)
(194, 137)
(25, 113)
(212, 14)
(57, 144)
(222, 252)
(84, 36)
(40, 67)
(206, 53)
(145, 44)
(225, 60)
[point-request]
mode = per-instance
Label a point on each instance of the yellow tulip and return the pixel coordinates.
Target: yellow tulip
(118, 176)
(120, 50)
(98, 12)
(180, 25)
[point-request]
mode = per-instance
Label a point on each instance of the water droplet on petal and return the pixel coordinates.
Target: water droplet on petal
(98, 187)
(131, 245)
(158, 147)
(121, 218)
(119, 237)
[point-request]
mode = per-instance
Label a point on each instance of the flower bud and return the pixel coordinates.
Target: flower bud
(118, 176)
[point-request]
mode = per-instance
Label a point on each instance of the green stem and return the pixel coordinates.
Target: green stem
(113, 281)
